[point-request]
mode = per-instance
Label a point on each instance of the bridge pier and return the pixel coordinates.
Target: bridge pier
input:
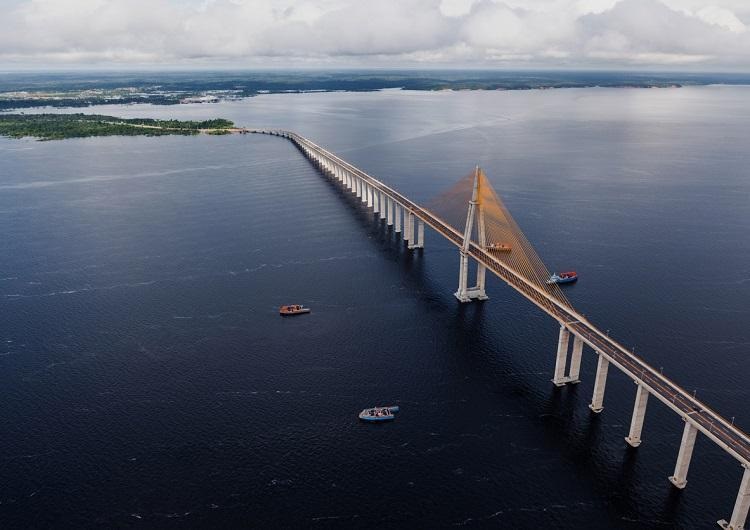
(575, 361)
(741, 505)
(390, 206)
(383, 201)
(463, 273)
(413, 243)
(561, 359)
(407, 226)
(465, 293)
(679, 478)
(597, 398)
(397, 215)
(639, 414)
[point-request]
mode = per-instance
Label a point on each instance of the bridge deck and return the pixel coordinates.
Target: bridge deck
(711, 423)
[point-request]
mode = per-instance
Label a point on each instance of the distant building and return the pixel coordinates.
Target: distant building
(200, 99)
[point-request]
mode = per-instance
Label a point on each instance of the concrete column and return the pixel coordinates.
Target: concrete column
(679, 479)
(376, 202)
(390, 206)
(370, 196)
(420, 234)
(478, 289)
(482, 235)
(562, 357)
(383, 205)
(597, 399)
(397, 215)
(639, 413)
(358, 187)
(741, 506)
(412, 230)
(412, 234)
(463, 275)
(575, 360)
(365, 193)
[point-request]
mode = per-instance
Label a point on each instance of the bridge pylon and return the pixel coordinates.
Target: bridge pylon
(465, 293)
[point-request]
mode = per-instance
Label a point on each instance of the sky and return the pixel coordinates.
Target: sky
(700, 35)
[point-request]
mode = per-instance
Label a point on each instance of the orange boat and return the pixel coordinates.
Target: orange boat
(499, 246)
(294, 309)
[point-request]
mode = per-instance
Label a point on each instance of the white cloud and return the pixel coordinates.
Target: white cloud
(722, 17)
(610, 33)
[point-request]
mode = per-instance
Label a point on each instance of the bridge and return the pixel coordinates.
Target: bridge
(491, 237)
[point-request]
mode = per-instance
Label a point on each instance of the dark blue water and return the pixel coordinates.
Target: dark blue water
(147, 381)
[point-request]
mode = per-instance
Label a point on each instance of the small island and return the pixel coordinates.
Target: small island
(62, 126)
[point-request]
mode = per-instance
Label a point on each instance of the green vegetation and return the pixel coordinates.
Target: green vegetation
(61, 126)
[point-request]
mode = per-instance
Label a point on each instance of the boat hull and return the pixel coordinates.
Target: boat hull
(292, 313)
(294, 309)
(376, 419)
(387, 414)
(568, 277)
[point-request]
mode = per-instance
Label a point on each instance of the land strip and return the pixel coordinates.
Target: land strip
(62, 126)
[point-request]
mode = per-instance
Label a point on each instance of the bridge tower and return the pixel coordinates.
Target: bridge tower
(464, 293)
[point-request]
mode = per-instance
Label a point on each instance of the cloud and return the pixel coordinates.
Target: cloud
(543, 33)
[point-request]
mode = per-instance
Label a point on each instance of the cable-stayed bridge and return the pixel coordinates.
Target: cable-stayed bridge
(491, 237)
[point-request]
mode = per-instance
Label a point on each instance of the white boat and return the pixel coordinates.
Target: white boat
(377, 414)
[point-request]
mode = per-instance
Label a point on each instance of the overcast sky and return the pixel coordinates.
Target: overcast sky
(683, 34)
